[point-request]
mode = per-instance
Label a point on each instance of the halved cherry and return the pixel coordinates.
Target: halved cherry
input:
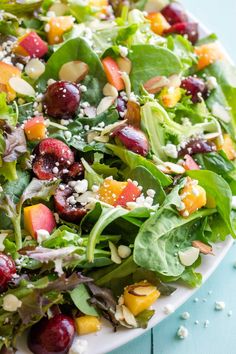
(188, 29)
(76, 171)
(7, 270)
(51, 157)
(68, 212)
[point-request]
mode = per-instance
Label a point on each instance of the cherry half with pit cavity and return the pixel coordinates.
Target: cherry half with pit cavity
(52, 158)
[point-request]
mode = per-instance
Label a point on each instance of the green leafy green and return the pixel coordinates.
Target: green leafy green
(133, 160)
(77, 49)
(80, 297)
(149, 61)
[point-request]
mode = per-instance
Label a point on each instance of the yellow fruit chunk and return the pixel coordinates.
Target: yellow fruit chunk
(140, 296)
(158, 22)
(57, 27)
(110, 190)
(35, 128)
(208, 54)
(87, 324)
(8, 71)
(170, 96)
(228, 147)
(193, 197)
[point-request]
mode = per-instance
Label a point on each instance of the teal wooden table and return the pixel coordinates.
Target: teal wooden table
(219, 337)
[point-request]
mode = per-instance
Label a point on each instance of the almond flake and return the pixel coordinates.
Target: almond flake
(110, 90)
(104, 104)
(142, 290)
(21, 86)
(114, 253)
(125, 65)
(203, 247)
(155, 84)
(74, 71)
(189, 256)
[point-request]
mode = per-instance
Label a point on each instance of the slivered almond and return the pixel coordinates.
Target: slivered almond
(105, 103)
(110, 90)
(129, 317)
(21, 86)
(171, 168)
(74, 71)
(92, 135)
(124, 64)
(203, 247)
(142, 290)
(155, 84)
(114, 253)
(34, 68)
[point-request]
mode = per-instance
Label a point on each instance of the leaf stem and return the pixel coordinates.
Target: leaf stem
(17, 231)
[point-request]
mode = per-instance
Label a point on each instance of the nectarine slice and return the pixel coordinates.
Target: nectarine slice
(35, 128)
(38, 217)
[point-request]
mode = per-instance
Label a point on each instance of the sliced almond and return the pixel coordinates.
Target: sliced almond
(171, 168)
(92, 135)
(155, 84)
(114, 253)
(110, 127)
(204, 248)
(142, 290)
(104, 104)
(129, 317)
(21, 86)
(133, 114)
(34, 68)
(74, 71)
(124, 65)
(211, 136)
(90, 112)
(189, 256)
(110, 90)
(102, 138)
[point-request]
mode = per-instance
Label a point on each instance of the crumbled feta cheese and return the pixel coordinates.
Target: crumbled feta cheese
(230, 312)
(196, 322)
(124, 251)
(170, 150)
(182, 332)
(58, 266)
(151, 193)
(168, 309)
(11, 303)
(67, 135)
(71, 200)
(83, 88)
(55, 170)
(79, 346)
(196, 299)
(206, 323)
(81, 186)
(42, 235)
(219, 305)
(185, 315)
(65, 122)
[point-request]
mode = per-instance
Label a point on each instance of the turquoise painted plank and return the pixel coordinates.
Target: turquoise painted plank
(141, 345)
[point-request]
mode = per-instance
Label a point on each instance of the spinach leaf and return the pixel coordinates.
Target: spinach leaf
(134, 160)
(225, 92)
(161, 237)
(149, 61)
(183, 50)
(92, 177)
(148, 181)
(218, 189)
(215, 161)
(107, 216)
(77, 49)
(80, 297)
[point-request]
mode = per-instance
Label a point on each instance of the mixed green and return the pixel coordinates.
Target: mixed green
(117, 163)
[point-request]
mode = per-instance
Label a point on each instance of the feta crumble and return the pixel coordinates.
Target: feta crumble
(182, 332)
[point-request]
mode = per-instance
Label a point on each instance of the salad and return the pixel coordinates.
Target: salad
(117, 164)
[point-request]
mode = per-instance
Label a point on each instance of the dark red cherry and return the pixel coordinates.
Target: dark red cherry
(195, 87)
(174, 13)
(61, 100)
(67, 211)
(188, 29)
(132, 138)
(52, 157)
(7, 270)
(197, 146)
(75, 171)
(52, 336)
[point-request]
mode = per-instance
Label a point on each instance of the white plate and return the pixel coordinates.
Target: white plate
(106, 340)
